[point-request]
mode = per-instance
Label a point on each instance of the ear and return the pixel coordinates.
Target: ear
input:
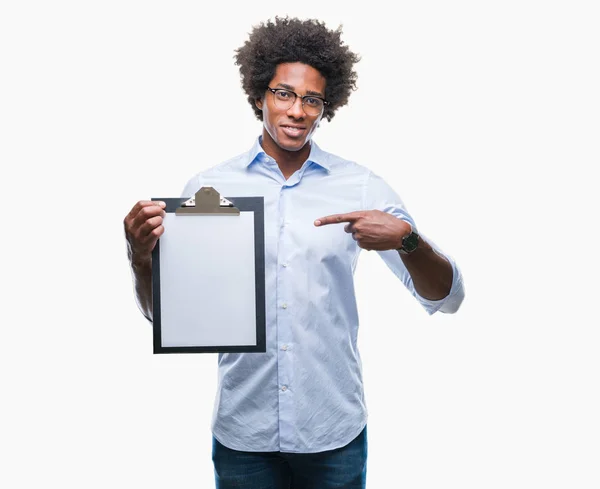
(259, 103)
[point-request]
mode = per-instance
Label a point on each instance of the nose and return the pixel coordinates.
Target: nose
(297, 109)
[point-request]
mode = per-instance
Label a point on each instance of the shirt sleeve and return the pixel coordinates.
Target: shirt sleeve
(192, 186)
(379, 195)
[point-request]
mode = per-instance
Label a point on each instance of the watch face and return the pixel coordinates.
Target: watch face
(410, 242)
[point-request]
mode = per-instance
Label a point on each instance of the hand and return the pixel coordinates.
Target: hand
(143, 227)
(372, 230)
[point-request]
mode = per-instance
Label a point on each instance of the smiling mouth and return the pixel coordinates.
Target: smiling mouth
(292, 131)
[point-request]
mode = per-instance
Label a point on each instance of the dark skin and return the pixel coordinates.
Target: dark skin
(143, 227)
(286, 139)
(376, 230)
(287, 132)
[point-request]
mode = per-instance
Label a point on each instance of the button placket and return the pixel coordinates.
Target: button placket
(284, 360)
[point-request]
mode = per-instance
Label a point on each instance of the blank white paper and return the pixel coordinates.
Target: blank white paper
(207, 281)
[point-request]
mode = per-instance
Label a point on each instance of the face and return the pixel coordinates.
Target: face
(290, 129)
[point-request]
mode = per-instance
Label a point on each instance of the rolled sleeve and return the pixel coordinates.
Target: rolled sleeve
(379, 195)
(451, 303)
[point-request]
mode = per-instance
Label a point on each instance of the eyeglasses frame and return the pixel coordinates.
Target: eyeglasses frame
(273, 90)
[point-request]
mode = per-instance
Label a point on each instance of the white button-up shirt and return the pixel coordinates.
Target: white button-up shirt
(305, 393)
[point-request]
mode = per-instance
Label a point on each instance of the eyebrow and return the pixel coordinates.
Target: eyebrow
(291, 89)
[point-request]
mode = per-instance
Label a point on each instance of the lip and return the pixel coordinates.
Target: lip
(292, 131)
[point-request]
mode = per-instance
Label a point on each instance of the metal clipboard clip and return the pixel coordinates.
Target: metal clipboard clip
(207, 202)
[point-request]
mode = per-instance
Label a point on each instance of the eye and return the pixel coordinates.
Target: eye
(313, 101)
(283, 94)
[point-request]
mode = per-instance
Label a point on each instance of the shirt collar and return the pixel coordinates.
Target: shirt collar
(316, 156)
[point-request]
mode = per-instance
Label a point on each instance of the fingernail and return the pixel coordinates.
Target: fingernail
(317, 223)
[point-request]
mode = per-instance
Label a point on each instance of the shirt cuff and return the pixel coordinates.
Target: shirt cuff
(450, 303)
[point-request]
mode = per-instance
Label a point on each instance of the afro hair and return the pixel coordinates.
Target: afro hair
(290, 40)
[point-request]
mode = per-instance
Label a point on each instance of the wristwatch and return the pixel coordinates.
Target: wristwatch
(409, 243)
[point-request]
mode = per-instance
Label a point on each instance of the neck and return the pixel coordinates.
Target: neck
(288, 161)
(289, 165)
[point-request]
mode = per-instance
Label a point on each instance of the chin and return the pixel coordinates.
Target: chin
(292, 145)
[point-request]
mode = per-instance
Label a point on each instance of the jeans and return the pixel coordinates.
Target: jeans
(342, 468)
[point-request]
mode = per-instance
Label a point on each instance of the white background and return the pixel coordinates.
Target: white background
(484, 116)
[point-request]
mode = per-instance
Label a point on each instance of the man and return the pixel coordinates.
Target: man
(295, 416)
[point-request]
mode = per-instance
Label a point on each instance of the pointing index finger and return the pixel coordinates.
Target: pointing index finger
(337, 218)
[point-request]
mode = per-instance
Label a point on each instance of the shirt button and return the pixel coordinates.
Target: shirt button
(284, 388)
(284, 347)
(284, 265)
(284, 305)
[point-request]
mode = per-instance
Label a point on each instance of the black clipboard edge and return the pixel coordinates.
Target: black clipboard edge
(244, 204)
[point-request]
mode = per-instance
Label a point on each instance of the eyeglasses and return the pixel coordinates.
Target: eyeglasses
(284, 99)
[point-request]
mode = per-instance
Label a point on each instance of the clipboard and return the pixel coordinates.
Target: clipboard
(208, 275)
